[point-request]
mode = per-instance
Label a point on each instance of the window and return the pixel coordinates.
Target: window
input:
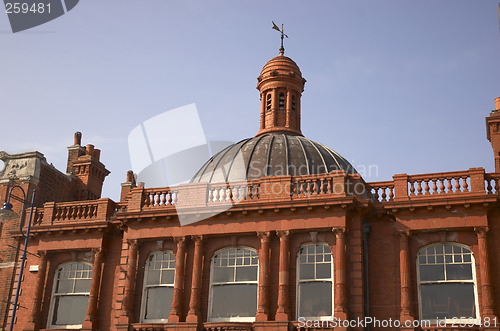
(293, 103)
(234, 283)
(70, 295)
(282, 101)
(158, 287)
(268, 102)
(315, 281)
(446, 282)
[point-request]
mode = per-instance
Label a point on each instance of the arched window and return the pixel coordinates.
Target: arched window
(70, 295)
(233, 285)
(158, 287)
(446, 282)
(282, 101)
(268, 102)
(315, 281)
(293, 103)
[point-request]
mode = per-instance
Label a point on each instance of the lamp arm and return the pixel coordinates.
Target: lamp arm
(31, 217)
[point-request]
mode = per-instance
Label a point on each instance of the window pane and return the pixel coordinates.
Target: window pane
(307, 271)
(431, 272)
(70, 309)
(158, 302)
(459, 272)
(167, 276)
(323, 270)
(223, 274)
(239, 300)
(82, 285)
(246, 274)
(153, 277)
(64, 286)
(315, 299)
(447, 300)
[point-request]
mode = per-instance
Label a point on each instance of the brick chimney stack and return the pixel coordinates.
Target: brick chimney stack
(493, 132)
(84, 164)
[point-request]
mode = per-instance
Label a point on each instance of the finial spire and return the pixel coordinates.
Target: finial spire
(275, 27)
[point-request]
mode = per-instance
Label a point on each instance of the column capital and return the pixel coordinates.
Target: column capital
(180, 240)
(481, 231)
(404, 234)
(283, 234)
(198, 239)
(339, 231)
(264, 236)
(133, 243)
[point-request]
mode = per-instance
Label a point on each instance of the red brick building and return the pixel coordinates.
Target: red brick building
(276, 232)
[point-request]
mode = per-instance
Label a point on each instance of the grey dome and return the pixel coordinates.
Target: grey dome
(272, 154)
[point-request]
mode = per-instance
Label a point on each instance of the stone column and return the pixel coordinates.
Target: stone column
(282, 313)
(194, 314)
(128, 300)
(91, 318)
(176, 312)
(275, 107)
(288, 108)
(263, 110)
(340, 300)
(487, 298)
(34, 323)
(405, 277)
(263, 302)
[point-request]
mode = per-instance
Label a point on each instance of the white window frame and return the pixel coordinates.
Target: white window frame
(256, 282)
(145, 287)
(299, 281)
(54, 295)
(476, 319)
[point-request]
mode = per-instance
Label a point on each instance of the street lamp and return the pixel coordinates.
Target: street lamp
(6, 213)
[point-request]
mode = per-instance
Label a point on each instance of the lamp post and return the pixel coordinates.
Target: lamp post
(6, 213)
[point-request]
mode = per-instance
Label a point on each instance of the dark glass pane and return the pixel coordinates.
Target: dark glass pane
(307, 271)
(431, 259)
(467, 258)
(459, 272)
(82, 285)
(421, 259)
(447, 301)
(64, 286)
(448, 249)
(327, 249)
(70, 309)
(234, 301)
(158, 302)
(153, 277)
(315, 299)
(224, 274)
(246, 274)
(431, 272)
(439, 249)
(323, 270)
(167, 276)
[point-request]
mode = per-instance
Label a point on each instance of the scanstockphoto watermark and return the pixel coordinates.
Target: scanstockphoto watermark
(453, 322)
(362, 323)
(26, 14)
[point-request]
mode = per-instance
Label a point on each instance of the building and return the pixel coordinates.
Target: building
(276, 232)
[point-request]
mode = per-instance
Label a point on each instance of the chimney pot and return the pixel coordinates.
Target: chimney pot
(90, 150)
(497, 103)
(78, 138)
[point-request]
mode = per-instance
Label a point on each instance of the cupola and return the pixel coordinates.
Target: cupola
(281, 85)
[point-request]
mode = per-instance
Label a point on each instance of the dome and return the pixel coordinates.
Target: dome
(280, 63)
(272, 154)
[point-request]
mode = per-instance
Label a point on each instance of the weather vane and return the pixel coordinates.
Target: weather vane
(275, 27)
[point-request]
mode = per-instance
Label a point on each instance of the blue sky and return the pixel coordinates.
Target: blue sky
(403, 85)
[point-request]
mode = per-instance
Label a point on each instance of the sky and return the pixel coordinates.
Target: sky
(399, 86)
